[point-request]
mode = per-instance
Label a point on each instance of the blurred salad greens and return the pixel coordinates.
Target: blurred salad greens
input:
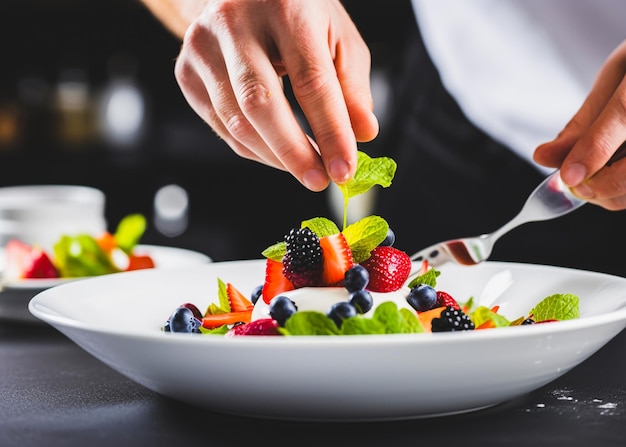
(85, 255)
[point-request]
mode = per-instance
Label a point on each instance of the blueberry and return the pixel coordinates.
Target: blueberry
(183, 320)
(281, 308)
(341, 311)
(194, 309)
(256, 293)
(362, 300)
(356, 278)
(390, 239)
(422, 297)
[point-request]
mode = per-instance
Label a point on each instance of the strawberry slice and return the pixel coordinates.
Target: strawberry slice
(211, 321)
(24, 261)
(337, 259)
(140, 262)
(275, 281)
(389, 268)
(238, 301)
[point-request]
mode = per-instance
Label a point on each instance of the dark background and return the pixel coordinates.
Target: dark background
(237, 207)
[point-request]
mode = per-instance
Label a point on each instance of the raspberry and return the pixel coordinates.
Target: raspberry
(302, 263)
(263, 326)
(444, 299)
(452, 320)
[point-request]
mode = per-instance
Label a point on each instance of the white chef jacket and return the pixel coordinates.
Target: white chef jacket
(520, 69)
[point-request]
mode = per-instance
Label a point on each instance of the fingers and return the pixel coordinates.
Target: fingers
(230, 67)
(590, 139)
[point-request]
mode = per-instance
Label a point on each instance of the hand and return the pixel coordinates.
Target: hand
(593, 135)
(230, 70)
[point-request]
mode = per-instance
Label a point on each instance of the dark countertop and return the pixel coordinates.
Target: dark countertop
(52, 393)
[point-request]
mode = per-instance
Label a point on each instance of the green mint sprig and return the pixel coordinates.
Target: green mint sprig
(367, 233)
(369, 172)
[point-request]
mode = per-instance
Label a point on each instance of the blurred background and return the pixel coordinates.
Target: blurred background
(88, 97)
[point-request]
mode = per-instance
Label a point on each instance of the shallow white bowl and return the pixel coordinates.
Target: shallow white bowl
(352, 378)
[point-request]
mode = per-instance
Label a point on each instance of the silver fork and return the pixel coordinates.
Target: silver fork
(551, 199)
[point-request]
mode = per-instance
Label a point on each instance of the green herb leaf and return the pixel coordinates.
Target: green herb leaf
(309, 323)
(321, 226)
(428, 278)
(129, 231)
(275, 252)
(365, 235)
(560, 306)
(369, 172)
(483, 314)
(81, 255)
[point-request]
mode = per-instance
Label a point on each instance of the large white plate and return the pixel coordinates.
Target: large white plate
(351, 378)
(15, 295)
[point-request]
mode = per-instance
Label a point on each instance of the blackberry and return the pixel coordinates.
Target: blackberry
(451, 320)
(302, 263)
(527, 321)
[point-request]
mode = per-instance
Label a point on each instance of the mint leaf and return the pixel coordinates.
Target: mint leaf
(397, 321)
(222, 295)
(362, 326)
(365, 235)
(482, 314)
(369, 172)
(275, 252)
(309, 323)
(428, 278)
(560, 306)
(321, 226)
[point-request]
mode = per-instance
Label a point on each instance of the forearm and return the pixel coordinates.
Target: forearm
(176, 15)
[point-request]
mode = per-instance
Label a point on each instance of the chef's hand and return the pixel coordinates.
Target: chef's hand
(230, 68)
(593, 135)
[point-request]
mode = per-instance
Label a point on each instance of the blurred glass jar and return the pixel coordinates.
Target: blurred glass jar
(41, 214)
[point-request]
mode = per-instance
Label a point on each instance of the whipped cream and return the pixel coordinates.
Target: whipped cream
(322, 298)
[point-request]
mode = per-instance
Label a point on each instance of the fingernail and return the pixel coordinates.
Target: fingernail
(315, 179)
(583, 191)
(339, 170)
(573, 174)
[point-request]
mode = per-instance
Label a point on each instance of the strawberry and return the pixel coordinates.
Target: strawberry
(444, 299)
(275, 280)
(337, 259)
(263, 326)
(238, 302)
(211, 321)
(389, 268)
(139, 262)
(25, 261)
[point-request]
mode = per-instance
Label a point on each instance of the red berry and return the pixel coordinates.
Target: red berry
(262, 326)
(337, 259)
(275, 281)
(444, 299)
(388, 269)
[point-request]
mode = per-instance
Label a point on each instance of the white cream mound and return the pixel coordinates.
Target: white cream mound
(322, 298)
